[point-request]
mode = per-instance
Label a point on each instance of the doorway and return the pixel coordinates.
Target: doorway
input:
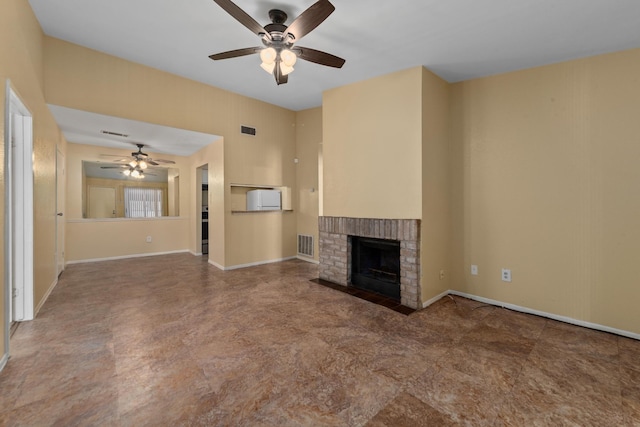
(202, 209)
(18, 262)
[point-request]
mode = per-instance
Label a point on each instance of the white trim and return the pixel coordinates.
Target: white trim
(60, 236)
(428, 302)
(3, 361)
(552, 316)
(46, 296)
(8, 244)
(216, 265)
(82, 261)
(158, 218)
(311, 260)
(252, 264)
(195, 253)
(18, 249)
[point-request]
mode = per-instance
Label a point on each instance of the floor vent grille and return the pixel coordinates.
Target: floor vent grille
(305, 245)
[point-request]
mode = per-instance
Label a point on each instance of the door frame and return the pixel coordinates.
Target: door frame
(21, 175)
(60, 207)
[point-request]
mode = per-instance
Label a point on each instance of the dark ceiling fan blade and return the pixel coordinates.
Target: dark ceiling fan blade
(319, 57)
(113, 167)
(162, 161)
(151, 162)
(242, 17)
(235, 53)
(309, 19)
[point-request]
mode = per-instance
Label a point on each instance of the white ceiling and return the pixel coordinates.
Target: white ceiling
(82, 127)
(456, 39)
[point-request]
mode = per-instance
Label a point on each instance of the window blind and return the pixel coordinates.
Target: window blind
(142, 202)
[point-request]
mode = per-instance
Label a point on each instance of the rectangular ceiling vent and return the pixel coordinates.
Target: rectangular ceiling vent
(108, 132)
(248, 130)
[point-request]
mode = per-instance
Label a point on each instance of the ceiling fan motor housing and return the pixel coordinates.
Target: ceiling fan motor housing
(277, 28)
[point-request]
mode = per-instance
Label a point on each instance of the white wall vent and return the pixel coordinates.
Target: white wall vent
(305, 245)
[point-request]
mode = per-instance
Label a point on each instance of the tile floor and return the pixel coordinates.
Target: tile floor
(171, 340)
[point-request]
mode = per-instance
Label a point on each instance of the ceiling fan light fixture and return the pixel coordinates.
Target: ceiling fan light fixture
(127, 172)
(285, 69)
(288, 58)
(268, 67)
(135, 173)
(143, 165)
(133, 163)
(268, 56)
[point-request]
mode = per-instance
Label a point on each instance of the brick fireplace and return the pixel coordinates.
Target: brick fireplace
(335, 250)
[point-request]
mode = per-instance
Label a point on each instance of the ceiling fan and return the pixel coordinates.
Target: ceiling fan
(136, 163)
(134, 172)
(279, 52)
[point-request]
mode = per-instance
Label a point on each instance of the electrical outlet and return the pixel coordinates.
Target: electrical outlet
(149, 239)
(474, 270)
(506, 275)
(441, 274)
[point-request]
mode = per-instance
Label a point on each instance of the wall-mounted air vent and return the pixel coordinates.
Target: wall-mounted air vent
(108, 132)
(248, 130)
(305, 245)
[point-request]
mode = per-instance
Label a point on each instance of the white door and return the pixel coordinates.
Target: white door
(61, 180)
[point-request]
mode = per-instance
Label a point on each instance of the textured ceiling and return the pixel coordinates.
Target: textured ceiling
(456, 39)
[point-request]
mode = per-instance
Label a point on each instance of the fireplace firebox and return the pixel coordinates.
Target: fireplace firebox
(375, 265)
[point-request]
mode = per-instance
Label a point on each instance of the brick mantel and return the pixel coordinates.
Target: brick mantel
(335, 250)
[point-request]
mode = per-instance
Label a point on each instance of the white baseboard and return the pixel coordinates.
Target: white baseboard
(252, 264)
(311, 260)
(216, 265)
(552, 316)
(434, 299)
(82, 261)
(195, 253)
(3, 361)
(45, 297)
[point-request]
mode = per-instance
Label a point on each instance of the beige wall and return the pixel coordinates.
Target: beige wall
(371, 148)
(386, 155)
(546, 183)
(436, 187)
(308, 146)
(84, 79)
(21, 46)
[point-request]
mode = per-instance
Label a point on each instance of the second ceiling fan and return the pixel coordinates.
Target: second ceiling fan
(279, 53)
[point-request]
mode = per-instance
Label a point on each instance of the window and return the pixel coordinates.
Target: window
(142, 202)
